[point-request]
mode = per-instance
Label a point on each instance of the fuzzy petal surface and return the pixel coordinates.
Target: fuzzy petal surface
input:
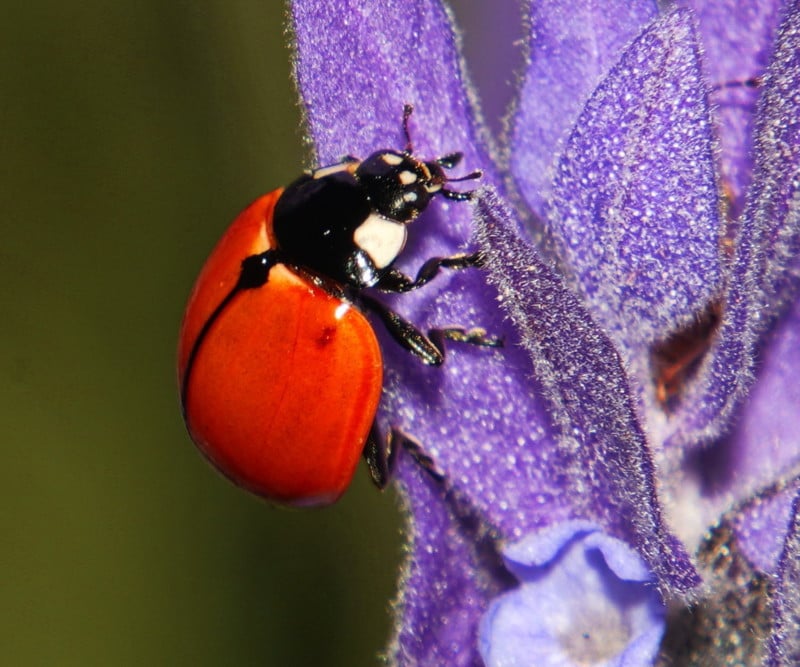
(478, 416)
(634, 199)
(442, 598)
(764, 277)
(785, 645)
(571, 45)
(601, 456)
(737, 37)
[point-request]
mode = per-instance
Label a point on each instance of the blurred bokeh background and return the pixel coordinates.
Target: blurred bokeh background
(131, 135)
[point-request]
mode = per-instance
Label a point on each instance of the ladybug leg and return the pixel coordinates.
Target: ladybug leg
(474, 336)
(398, 439)
(380, 457)
(429, 349)
(382, 460)
(396, 281)
(405, 333)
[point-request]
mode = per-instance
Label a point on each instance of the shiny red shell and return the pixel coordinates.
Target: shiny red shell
(285, 385)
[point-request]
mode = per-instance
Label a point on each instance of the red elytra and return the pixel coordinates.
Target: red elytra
(286, 383)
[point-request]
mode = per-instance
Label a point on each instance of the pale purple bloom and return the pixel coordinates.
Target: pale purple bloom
(585, 598)
(639, 209)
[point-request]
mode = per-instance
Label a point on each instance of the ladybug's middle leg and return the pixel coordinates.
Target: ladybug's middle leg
(429, 349)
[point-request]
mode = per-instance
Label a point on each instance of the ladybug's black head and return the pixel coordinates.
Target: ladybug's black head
(347, 221)
(400, 186)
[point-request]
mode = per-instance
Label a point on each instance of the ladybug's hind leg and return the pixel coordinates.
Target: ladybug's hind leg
(381, 456)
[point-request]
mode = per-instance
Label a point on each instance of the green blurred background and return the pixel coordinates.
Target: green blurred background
(132, 134)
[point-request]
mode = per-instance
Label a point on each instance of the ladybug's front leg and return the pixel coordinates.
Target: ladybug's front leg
(396, 281)
(381, 457)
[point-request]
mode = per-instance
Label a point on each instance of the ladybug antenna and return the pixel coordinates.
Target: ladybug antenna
(408, 109)
(752, 82)
(445, 161)
(472, 176)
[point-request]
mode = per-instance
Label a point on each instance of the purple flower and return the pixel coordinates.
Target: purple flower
(584, 599)
(641, 226)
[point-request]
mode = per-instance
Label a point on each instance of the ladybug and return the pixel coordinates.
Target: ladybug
(279, 370)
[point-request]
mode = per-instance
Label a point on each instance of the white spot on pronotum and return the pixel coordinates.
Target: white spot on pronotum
(341, 310)
(381, 239)
(391, 159)
(407, 177)
(410, 196)
(322, 172)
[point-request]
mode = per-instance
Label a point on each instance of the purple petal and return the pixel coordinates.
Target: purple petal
(785, 646)
(737, 37)
(359, 61)
(451, 575)
(635, 197)
(477, 416)
(766, 441)
(767, 263)
(773, 204)
(584, 598)
(763, 521)
(538, 549)
(480, 416)
(492, 37)
(571, 46)
(602, 450)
